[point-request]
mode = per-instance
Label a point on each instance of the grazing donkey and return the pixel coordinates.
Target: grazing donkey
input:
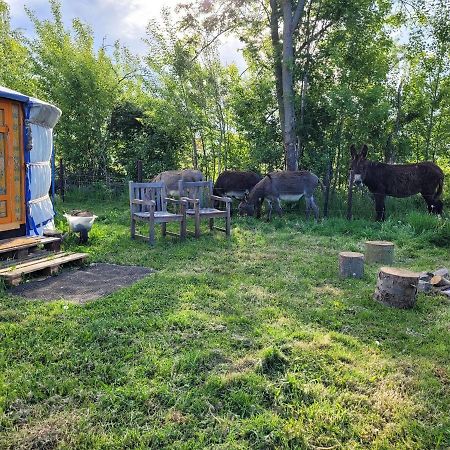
(236, 184)
(233, 183)
(171, 178)
(277, 186)
(398, 180)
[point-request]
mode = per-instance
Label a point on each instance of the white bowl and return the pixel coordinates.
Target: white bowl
(78, 223)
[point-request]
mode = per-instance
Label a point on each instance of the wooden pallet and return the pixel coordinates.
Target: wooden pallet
(48, 265)
(19, 248)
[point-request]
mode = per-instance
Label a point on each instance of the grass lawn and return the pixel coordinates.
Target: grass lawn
(253, 342)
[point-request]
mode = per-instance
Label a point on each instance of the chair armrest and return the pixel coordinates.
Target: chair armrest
(221, 199)
(194, 201)
(143, 202)
(176, 201)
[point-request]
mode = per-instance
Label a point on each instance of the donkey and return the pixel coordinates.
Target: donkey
(277, 186)
(398, 180)
(171, 178)
(235, 184)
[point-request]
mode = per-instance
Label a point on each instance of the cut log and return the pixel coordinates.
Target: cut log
(351, 264)
(443, 272)
(379, 252)
(396, 287)
(439, 281)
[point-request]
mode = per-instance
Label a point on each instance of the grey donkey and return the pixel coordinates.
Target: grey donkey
(286, 186)
(171, 178)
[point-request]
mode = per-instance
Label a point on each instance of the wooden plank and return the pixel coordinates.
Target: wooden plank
(40, 254)
(17, 242)
(48, 266)
(35, 266)
(21, 243)
(31, 262)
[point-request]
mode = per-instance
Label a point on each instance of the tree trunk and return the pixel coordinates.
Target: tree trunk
(389, 156)
(327, 188)
(396, 287)
(205, 157)
(381, 252)
(351, 265)
(350, 196)
(431, 115)
(194, 151)
(277, 56)
(290, 146)
(302, 112)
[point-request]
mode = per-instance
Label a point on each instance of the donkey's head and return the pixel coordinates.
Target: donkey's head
(359, 164)
(245, 207)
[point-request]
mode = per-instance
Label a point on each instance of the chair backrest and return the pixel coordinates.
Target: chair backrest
(201, 190)
(148, 191)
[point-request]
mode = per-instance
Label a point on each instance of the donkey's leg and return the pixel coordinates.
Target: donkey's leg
(429, 200)
(379, 207)
(269, 210)
(278, 208)
(259, 204)
(314, 208)
(308, 207)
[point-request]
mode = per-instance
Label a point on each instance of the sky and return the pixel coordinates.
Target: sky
(125, 20)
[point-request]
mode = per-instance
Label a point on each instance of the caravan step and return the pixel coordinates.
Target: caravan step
(20, 247)
(47, 266)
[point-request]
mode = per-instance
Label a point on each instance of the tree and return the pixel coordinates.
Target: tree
(85, 83)
(15, 61)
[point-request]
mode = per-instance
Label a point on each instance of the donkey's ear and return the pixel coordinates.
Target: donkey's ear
(353, 151)
(364, 150)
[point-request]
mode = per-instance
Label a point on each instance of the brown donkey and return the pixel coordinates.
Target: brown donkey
(398, 180)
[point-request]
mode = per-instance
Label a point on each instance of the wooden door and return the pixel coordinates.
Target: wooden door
(12, 199)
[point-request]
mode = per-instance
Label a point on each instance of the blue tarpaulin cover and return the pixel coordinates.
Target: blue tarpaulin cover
(40, 118)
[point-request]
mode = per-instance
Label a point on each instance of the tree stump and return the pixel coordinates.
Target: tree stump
(351, 264)
(396, 287)
(379, 252)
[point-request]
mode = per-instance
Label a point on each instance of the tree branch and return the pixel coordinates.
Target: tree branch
(317, 34)
(205, 46)
(298, 14)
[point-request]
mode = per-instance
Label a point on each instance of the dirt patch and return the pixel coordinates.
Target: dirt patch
(83, 285)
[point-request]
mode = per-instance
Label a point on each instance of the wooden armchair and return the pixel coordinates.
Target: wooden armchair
(148, 203)
(199, 195)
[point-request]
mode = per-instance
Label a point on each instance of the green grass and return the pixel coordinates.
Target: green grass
(253, 342)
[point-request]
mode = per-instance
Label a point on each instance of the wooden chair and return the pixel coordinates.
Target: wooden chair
(199, 194)
(148, 203)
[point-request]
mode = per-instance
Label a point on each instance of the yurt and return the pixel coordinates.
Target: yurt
(26, 147)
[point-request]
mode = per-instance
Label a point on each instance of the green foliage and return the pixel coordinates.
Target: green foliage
(82, 82)
(137, 134)
(15, 60)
